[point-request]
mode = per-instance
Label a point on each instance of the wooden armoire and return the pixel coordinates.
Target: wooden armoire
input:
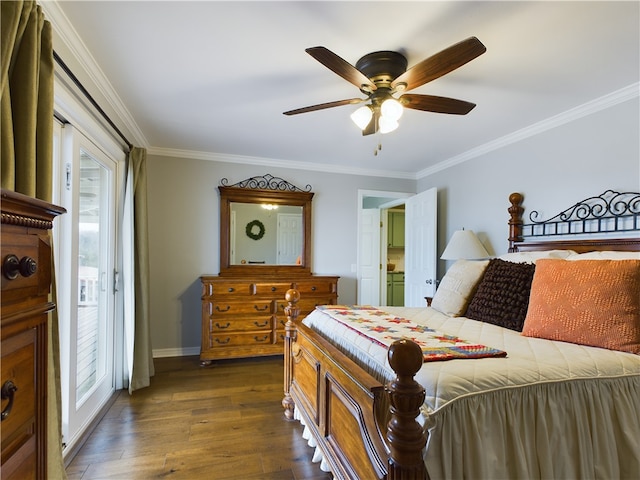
(26, 281)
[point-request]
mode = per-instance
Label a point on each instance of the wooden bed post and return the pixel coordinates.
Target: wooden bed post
(291, 311)
(406, 436)
(515, 222)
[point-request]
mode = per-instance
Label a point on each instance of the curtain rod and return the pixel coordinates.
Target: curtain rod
(86, 93)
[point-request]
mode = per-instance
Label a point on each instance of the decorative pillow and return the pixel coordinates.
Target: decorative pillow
(457, 287)
(532, 257)
(590, 302)
(605, 255)
(503, 294)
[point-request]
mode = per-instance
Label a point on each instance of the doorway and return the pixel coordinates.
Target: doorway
(420, 248)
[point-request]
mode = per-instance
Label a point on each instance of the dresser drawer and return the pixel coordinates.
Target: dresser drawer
(237, 324)
(277, 290)
(35, 252)
(236, 339)
(18, 367)
(222, 307)
(230, 289)
(316, 287)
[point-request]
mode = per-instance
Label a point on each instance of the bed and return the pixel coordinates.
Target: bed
(531, 400)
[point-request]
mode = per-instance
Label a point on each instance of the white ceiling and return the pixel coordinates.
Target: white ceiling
(211, 79)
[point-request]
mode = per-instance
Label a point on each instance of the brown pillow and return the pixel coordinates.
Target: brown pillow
(590, 302)
(502, 296)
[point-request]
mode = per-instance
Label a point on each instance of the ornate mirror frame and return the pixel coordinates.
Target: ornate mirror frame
(263, 190)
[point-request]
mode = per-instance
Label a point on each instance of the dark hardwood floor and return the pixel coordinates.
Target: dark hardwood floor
(219, 422)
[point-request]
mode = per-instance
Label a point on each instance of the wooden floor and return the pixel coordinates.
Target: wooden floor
(219, 422)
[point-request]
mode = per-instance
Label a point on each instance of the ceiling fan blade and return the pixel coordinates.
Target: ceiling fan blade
(341, 67)
(431, 103)
(441, 63)
(322, 106)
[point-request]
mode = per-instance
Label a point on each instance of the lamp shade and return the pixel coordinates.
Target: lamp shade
(391, 108)
(464, 244)
(362, 116)
(387, 124)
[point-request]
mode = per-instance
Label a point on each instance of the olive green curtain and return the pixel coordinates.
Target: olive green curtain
(143, 368)
(27, 100)
(26, 149)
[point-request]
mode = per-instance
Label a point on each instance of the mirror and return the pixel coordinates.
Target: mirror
(264, 230)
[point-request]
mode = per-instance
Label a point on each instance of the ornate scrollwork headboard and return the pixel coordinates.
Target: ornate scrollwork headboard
(608, 213)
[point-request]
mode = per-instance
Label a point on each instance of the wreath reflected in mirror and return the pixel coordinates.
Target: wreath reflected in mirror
(251, 226)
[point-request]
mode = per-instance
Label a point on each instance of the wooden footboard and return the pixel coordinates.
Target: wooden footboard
(365, 430)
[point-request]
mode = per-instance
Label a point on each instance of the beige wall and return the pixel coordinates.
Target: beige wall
(552, 169)
(184, 235)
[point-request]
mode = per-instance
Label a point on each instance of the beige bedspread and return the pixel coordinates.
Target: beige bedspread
(548, 410)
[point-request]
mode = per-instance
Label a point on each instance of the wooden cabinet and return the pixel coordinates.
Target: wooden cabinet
(26, 280)
(244, 316)
(395, 289)
(395, 233)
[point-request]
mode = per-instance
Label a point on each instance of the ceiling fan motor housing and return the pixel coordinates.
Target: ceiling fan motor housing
(382, 67)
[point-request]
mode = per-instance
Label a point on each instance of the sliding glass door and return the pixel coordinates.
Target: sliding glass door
(86, 280)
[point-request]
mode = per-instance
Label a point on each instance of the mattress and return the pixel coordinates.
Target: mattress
(548, 409)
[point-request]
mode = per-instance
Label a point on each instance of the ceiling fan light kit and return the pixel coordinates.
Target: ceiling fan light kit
(380, 75)
(362, 116)
(387, 125)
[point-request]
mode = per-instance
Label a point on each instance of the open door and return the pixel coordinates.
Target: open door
(420, 247)
(369, 257)
(419, 239)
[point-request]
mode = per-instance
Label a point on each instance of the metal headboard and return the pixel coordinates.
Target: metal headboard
(609, 212)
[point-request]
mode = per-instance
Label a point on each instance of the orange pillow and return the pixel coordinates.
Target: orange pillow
(591, 302)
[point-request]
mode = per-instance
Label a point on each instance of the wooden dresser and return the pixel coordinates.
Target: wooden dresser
(26, 280)
(244, 316)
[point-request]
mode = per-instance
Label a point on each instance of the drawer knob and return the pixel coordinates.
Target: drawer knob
(12, 267)
(8, 389)
(231, 289)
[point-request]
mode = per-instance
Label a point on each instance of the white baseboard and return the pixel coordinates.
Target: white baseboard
(175, 352)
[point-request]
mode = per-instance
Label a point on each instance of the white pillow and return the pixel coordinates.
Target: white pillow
(531, 257)
(605, 255)
(458, 286)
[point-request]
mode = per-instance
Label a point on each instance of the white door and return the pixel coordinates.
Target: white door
(420, 247)
(289, 238)
(86, 242)
(369, 257)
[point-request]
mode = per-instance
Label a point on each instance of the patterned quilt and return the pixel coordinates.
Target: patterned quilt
(384, 328)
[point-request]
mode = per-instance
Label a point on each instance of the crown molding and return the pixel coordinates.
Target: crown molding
(619, 96)
(275, 163)
(69, 36)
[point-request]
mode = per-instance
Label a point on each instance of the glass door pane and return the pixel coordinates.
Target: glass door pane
(93, 223)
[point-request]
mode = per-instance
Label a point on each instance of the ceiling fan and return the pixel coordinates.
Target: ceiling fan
(380, 75)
